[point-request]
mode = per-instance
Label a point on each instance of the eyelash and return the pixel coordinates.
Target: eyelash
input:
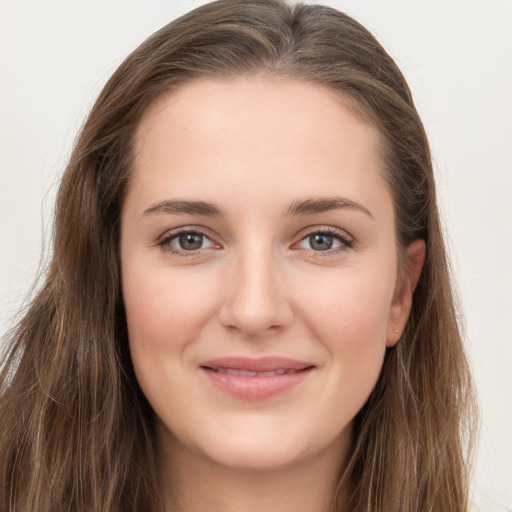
(169, 237)
(346, 241)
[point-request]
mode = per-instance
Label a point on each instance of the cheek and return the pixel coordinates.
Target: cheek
(166, 312)
(351, 302)
(350, 316)
(163, 308)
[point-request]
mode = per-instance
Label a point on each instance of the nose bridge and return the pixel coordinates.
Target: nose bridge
(255, 303)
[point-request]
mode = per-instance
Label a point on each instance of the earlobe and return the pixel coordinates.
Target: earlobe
(402, 301)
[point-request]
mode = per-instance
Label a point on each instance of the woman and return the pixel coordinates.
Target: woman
(248, 304)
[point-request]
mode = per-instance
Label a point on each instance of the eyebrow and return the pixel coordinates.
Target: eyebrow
(183, 207)
(308, 206)
(311, 206)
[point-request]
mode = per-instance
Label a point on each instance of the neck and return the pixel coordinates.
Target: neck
(191, 482)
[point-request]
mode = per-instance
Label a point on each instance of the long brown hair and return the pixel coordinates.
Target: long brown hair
(76, 430)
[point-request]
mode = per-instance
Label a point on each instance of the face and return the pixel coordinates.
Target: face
(259, 270)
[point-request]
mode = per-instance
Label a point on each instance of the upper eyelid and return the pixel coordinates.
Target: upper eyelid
(172, 233)
(331, 230)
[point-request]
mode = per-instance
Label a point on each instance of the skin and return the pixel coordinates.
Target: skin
(258, 286)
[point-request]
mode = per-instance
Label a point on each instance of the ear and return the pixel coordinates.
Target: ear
(402, 300)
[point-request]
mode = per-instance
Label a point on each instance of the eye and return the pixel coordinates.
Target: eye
(186, 241)
(325, 240)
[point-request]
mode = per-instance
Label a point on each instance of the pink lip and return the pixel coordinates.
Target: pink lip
(290, 373)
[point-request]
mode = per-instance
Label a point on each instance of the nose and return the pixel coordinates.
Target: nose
(255, 302)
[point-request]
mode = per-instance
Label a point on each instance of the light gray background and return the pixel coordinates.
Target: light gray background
(457, 56)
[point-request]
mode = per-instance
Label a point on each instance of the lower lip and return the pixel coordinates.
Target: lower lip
(255, 388)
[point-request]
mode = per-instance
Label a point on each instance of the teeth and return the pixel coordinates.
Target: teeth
(247, 373)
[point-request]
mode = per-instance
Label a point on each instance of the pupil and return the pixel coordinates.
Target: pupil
(321, 242)
(191, 241)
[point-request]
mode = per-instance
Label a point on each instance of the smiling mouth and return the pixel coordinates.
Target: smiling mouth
(255, 379)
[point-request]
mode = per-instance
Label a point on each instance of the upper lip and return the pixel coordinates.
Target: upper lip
(262, 364)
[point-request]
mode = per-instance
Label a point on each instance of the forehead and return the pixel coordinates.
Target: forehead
(276, 102)
(249, 132)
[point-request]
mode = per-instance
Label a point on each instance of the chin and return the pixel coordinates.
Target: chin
(258, 448)
(254, 460)
(256, 456)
